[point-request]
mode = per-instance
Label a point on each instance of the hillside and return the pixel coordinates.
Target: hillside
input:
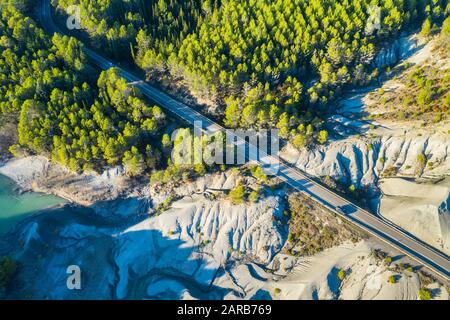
(256, 64)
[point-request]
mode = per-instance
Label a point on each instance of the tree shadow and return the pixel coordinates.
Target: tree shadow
(436, 292)
(261, 294)
(315, 294)
(398, 257)
(333, 282)
(397, 278)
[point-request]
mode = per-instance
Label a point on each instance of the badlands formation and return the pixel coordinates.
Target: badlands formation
(200, 247)
(197, 249)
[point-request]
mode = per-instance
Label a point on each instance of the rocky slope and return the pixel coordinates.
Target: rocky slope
(362, 161)
(198, 249)
(39, 174)
(399, 50)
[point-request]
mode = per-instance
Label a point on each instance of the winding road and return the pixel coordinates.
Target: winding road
(425, 255)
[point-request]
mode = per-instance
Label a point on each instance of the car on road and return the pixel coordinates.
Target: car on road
(347, 209)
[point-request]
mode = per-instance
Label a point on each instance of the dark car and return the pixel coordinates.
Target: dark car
(347, 209)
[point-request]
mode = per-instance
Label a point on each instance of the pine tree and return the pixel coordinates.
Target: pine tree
(426, 28)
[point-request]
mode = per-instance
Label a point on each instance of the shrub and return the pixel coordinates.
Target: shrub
(341, 274)
(424, 294)
(166, 142)
(237, 194)
(438, 118)
(8, 268)
(447, 100)
(388, 260)
(253, 196)
(133, 162)
(157, 177)
(186, 176)
(446, 27)
(425, 96)
(16, 150)
(407, 101)
(392, 279)
(258, 173)
(299, 141)
(290, 238)
(322, 137)
(235, 170)
(422, 159)
(390, 171)
(200, 169)
(277, 291)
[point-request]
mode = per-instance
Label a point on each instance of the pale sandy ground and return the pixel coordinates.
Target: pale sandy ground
(166, 257)
(421, 209)
(366, 278)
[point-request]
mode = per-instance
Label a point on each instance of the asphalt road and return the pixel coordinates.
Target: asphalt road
(430, 258)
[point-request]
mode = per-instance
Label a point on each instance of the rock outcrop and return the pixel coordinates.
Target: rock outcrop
(399, 50)
(363, 162)
(39, 174)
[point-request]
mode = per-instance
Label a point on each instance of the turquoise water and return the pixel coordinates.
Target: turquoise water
(15, 207)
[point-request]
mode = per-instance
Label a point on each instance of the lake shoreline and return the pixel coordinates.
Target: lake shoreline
(38, 174)
(17, 204)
